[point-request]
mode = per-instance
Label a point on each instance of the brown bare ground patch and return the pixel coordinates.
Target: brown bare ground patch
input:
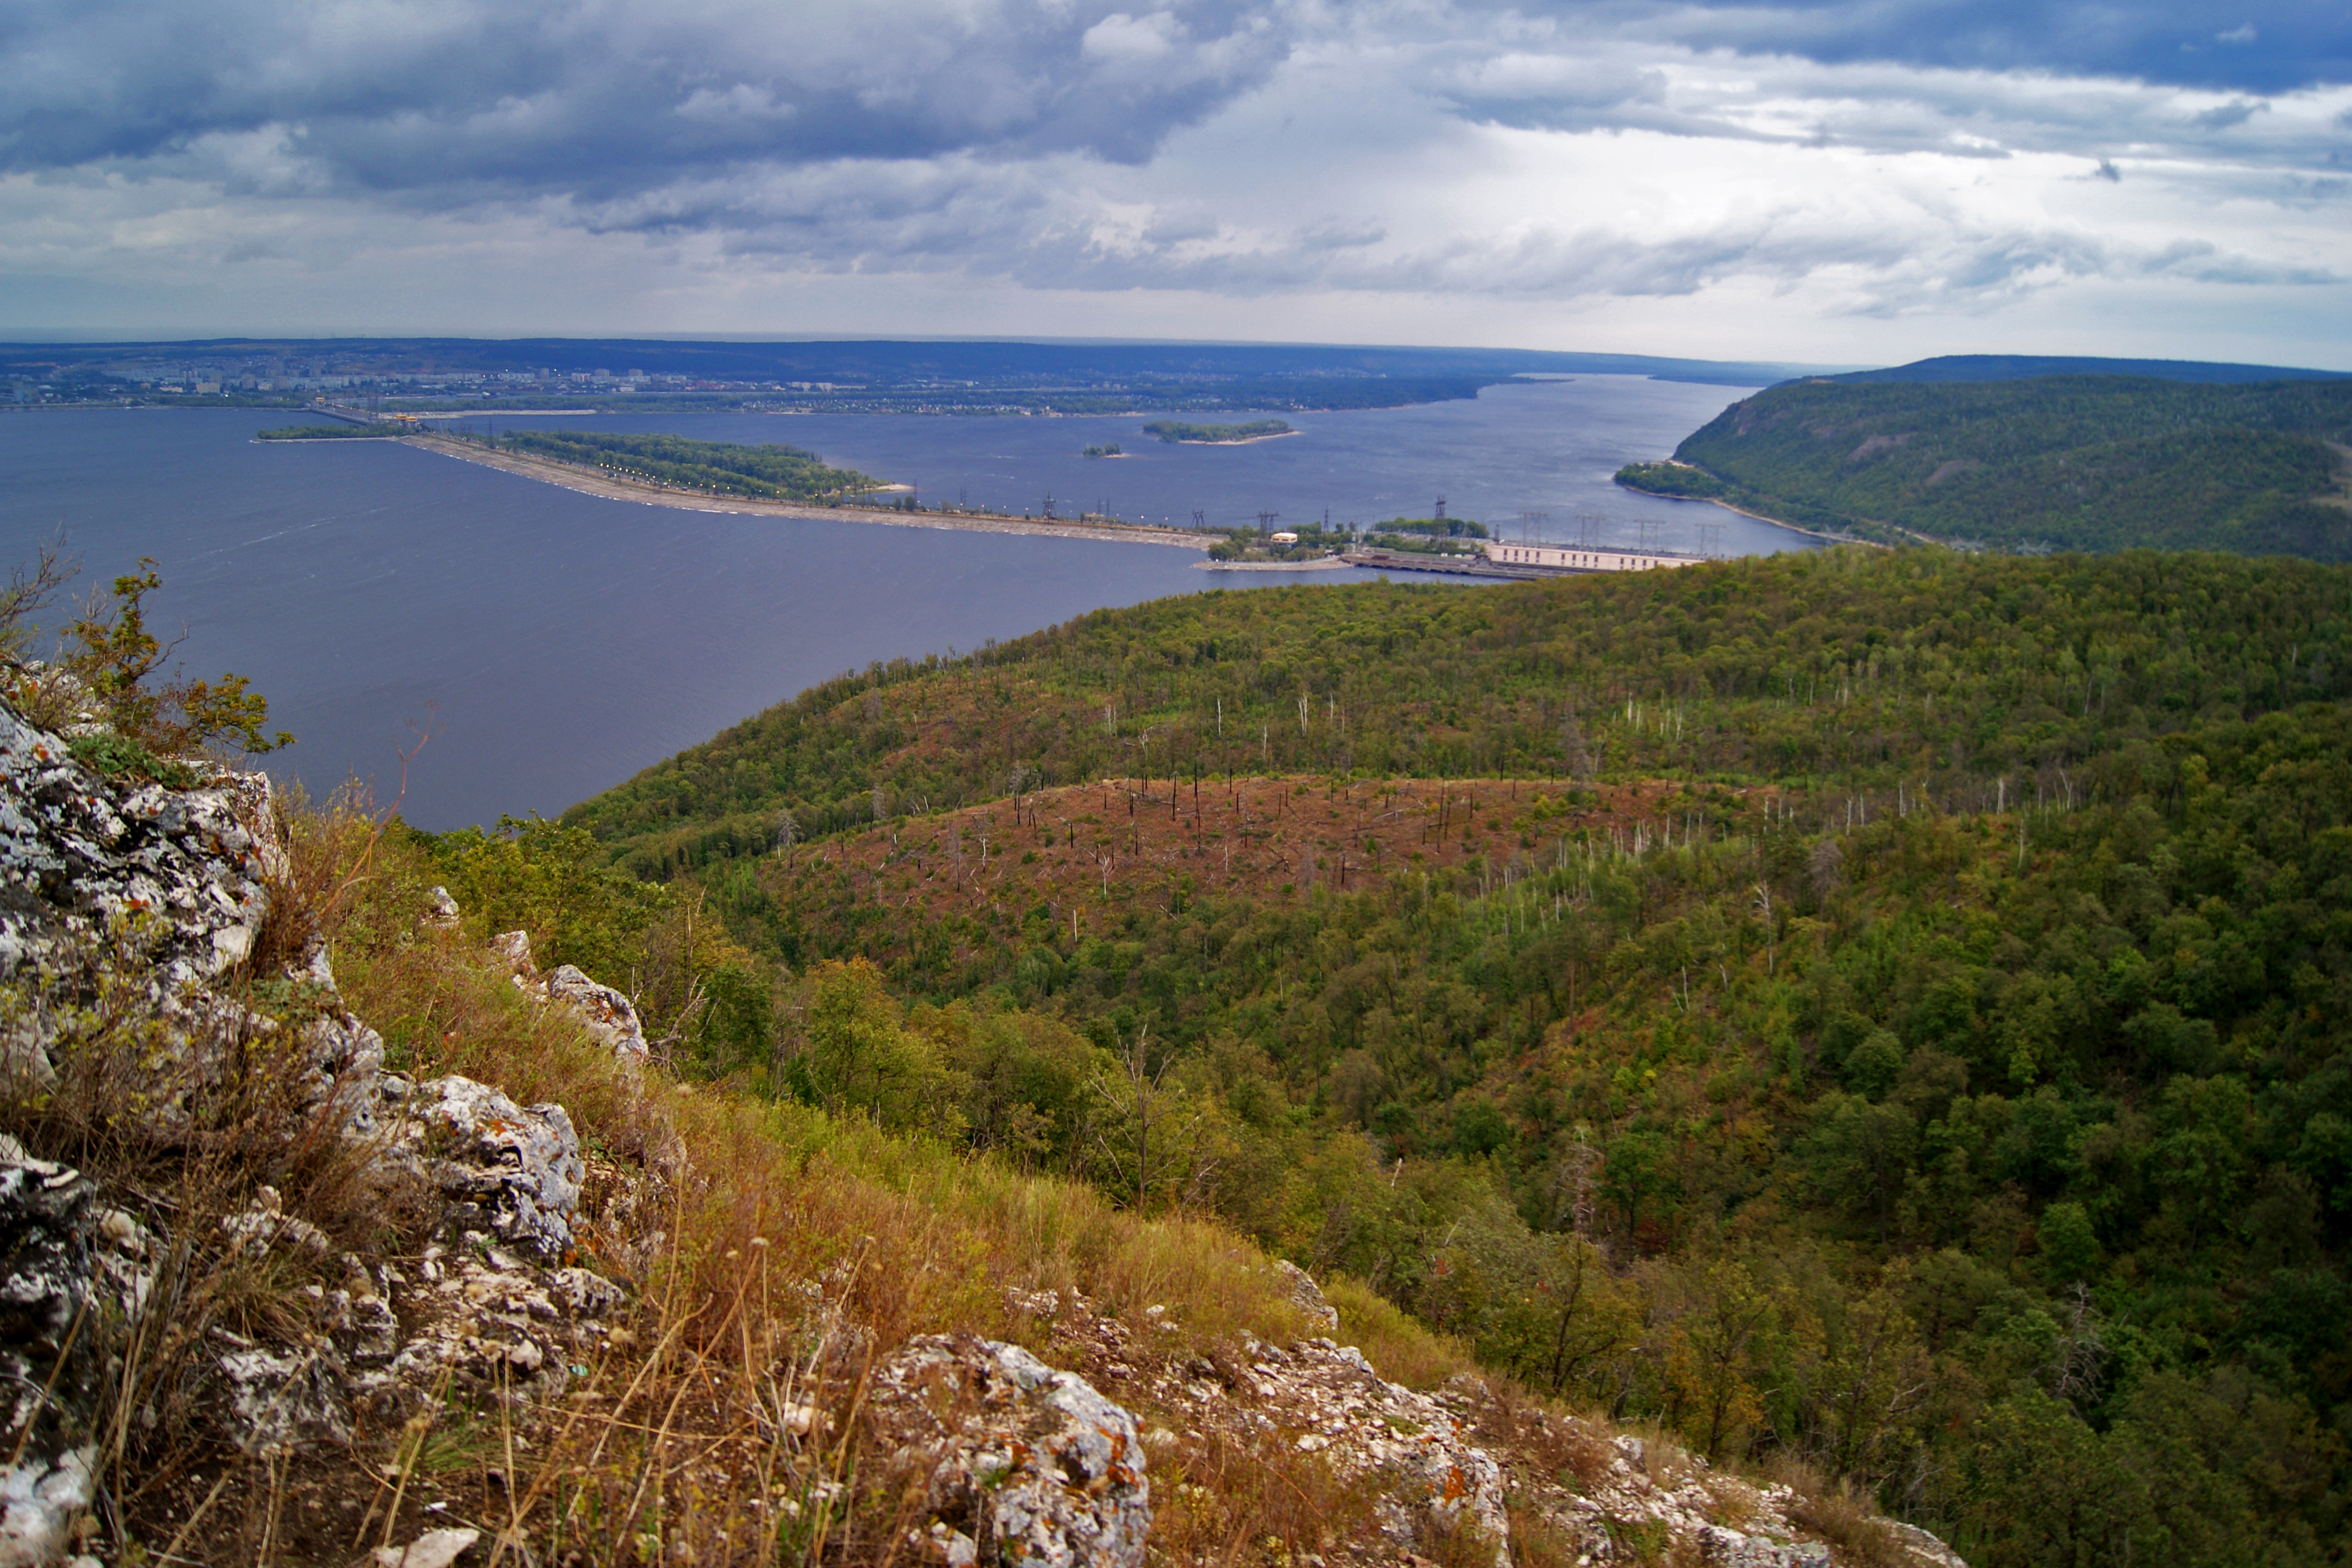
(1082, 849)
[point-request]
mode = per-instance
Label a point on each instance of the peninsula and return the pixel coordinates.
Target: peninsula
(616, 483)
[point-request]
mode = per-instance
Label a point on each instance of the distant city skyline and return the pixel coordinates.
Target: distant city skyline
(1831, 183)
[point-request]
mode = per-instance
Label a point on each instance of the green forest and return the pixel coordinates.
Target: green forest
(1884, 1009)
(330, 432)
(1216, 435)
(1427, 535)
(768, 471)
(2070, 462)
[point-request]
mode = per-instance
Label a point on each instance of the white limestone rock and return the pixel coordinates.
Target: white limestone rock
(611, 1017)
(49, 1369)
(179, 876)
(510, 1171)
(1026, 1465)
(434, 1549)
(609, 1014)
(284, 1398)
(1309, 1296)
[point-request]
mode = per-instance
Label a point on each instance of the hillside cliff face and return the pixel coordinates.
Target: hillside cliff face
(270, 1290)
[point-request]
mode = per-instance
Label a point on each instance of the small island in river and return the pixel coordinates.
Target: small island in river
(1218, 435)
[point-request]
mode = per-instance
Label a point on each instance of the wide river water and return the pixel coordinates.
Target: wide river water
(555, 643)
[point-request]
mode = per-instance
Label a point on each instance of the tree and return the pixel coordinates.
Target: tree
(1146, 1133)
(856, 1053)
(1710, 1353)
(109, 651)
(1862, 1375)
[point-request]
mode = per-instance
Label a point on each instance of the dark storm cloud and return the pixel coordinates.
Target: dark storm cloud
(466, 98)
(598, 98)
(1891, 157)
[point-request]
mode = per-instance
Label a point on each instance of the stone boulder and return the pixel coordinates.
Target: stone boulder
(1308, 1295)
(175, 879)
(1017, 1463)
(610, 1015)
(48, 1357)
(503, 1170)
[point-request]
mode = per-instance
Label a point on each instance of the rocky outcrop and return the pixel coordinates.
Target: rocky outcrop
(502, 1169)
(169, 891)
(1452, 1465)
(610, 1015)
(123, 911)
(1328, 1399)
(47, 1357)
(1016, 1463)
(1308, 1295)
(172, 883)
(179, 876)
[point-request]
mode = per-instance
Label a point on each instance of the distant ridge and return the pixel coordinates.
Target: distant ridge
(2023, 367)
(885, 362)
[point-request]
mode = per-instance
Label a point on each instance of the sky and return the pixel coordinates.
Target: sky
(1853, 183)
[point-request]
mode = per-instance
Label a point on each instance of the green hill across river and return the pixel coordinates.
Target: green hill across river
(2061, 462)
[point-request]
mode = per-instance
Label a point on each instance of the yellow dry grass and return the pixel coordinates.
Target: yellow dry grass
(795, 1247)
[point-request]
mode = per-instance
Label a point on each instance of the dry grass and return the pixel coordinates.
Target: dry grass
(1227, 1500)
(724, 1426)
(1843, 1517)
(1567, 1450)
(1405, 1352)
(771, 1253)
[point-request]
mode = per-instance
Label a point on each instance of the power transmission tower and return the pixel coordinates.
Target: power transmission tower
(1048, 508)
(1441, 508)
(1649, 536)
(1710, 540)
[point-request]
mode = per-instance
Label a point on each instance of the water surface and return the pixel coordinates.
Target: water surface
(552, 643)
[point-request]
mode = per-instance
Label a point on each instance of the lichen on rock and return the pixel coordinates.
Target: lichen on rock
(1015, 1462)
(507, 1170)
(47, 1357)
(609, 1014)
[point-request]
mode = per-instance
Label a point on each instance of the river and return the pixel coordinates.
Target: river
(551, 644)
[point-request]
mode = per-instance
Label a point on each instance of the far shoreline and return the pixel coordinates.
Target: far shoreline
(1776, 522)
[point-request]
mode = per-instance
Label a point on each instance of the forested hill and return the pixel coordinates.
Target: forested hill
(1830, 668)
(2064, 462)
(1889, 1012)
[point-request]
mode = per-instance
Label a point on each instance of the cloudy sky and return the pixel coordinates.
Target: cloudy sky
(1853, 183)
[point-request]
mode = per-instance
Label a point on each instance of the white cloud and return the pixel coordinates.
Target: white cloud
(1396, 170)
(1122, 39)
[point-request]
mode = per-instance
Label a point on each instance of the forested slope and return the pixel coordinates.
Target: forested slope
(1884, 1012)
(2072, 462)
